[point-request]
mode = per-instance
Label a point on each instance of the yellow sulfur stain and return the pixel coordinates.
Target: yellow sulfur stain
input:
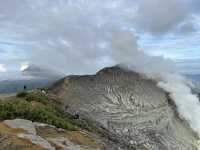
(5, 129)
(82, 138)
(11, 137)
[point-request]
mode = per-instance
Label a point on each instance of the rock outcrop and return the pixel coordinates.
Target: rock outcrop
(20, 134)
(129, 106)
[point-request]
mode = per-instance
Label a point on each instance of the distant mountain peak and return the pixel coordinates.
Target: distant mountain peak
(40, 72)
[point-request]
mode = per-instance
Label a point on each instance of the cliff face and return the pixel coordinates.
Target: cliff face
(128, 105)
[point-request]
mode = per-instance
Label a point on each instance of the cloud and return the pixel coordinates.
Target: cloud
(75, 37)
(187, 28)
(160, 16)
(24, 66)
(71, 37)
(194, 5)
(126, 51)
(3, 68)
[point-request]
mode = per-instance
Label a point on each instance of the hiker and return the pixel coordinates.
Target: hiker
(25, 87)
(76, 115)
(66, 107)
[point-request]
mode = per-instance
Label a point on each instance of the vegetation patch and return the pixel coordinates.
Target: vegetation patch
(35, 107)
(22, 94)
(34, 96)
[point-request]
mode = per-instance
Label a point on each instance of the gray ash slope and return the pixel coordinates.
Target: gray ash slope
(128, 105)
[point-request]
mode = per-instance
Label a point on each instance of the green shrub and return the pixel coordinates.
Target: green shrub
(22, 94)
(43, 112)
(39, 97)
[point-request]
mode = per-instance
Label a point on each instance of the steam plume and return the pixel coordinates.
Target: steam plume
(163, 71)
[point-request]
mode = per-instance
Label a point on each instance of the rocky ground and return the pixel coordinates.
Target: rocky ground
(22, 134)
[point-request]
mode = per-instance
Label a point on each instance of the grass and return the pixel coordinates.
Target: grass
(35, 107)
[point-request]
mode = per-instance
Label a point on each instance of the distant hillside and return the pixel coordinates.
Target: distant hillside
(11, 86)
(32, 76)
(194, 77)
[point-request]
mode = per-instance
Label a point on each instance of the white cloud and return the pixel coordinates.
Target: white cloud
(3, 68)
(66, 36)
(75, 37)
(160, 16)
(24, 66)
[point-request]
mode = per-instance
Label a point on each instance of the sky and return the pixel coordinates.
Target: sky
(76, 36)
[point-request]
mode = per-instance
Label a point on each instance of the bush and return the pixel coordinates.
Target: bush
(43, 112)
(33, 96)
(22, 94)
(39, 97)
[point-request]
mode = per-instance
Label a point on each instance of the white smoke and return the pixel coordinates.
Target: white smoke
(187, 103)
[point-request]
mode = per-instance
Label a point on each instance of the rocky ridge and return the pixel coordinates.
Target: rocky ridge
(128, 105)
